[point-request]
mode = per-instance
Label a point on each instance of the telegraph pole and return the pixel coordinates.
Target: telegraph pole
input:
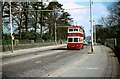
(55, 27)
(12, 38)
(55, 34)
(91, 25)
(55, 23)
(41, 19)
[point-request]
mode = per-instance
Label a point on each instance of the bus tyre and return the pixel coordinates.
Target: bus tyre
(79, 48)
(82, 47)
(67, 47)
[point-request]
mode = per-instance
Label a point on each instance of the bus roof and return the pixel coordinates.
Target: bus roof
(74, 27)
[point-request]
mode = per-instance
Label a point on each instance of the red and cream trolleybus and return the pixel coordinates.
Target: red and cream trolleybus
(75, 38)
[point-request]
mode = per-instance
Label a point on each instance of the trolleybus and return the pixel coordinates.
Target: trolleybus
(75, 38)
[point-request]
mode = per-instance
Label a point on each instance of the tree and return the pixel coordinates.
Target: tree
(64, 19)
(111, 23)
(28, 17)
(52, 16)
(57, 15)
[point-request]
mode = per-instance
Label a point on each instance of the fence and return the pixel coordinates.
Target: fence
(0, 42)
(115, 45)
(112, 43)
(24, 44)
(0, 45)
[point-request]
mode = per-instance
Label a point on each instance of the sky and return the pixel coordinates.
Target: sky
(80, 11)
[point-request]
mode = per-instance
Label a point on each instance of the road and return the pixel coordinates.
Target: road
(41, 64)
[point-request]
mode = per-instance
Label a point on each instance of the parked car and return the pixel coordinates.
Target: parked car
(85, 43)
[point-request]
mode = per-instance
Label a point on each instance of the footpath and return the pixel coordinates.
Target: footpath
(102, 63)
(28, 51)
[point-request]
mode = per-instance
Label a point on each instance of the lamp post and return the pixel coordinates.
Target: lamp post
(12, 38)
(91, 25)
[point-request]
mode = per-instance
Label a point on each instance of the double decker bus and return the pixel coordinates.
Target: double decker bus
(75, 38)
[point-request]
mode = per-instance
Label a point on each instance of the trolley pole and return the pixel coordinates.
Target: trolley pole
(91, 25)
(12, 38)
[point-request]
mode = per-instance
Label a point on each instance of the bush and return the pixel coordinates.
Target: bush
(47, 36)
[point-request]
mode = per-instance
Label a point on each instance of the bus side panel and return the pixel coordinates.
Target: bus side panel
(75, 45)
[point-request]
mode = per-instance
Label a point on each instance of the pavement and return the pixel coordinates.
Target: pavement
(100, 63)
(28, 51)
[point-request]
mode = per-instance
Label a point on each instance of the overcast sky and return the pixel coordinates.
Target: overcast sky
(81, 16)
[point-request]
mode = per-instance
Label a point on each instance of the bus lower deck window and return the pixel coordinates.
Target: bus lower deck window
(70, 39)
(75, 39)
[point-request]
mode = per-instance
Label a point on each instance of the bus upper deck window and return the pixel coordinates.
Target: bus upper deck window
(70, 30)
(75, 30)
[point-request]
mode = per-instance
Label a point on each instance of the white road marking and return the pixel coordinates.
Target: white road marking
(58, 56)
(38, 61)
(92, 68)
(68, 52)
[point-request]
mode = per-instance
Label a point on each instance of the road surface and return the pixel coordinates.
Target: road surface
(41, 64)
